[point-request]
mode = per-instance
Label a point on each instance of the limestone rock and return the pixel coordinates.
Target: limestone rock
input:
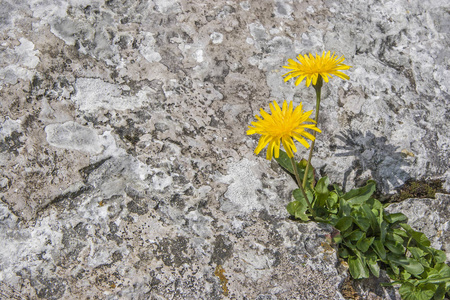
(125, 170)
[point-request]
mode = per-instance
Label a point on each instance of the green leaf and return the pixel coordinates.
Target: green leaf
(322, 186)
(438, 255)
(439, 274)
(344, 223)
(362, 222)
(378, 247)
(417, 252)
(344, 208)
(338, 190)
(350, 245)
(394, 218)
(298, 210)
(372, 263)
(361, 195)
(383, 230)
(298, 195)
(400, 232)
(285, 162)
(343, 252)
(394, 238)
(394, 268)
(321, 191)
(419, 237)
(301, 167)
(364, 243)
(440, 292)
(394, 247)
(375, 205)
(371, 217)
(354, 235)
(357, 267)
(337, 239)
(332, 202)
(410, 292)
(409, 264)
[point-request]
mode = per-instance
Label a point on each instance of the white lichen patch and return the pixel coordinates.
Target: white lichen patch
(8, 126)
(73, 136)
(216, 38)
(241, 193)
(18, 63)
(167, 6)
(93, 94)
(147, 48)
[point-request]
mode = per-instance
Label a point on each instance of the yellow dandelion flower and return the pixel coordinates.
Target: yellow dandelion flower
(312, 67)
(283, 125)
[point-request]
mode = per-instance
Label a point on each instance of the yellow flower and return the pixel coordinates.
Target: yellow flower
(311, 67)
(284, 124)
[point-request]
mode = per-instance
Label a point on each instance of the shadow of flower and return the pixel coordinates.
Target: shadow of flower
(374, 154)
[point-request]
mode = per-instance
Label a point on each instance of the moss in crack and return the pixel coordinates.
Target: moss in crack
(417, 189)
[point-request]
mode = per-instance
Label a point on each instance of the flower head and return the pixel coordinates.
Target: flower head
(283, 125)
(312, 67)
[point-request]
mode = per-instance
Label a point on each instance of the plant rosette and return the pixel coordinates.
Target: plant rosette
(368, 238)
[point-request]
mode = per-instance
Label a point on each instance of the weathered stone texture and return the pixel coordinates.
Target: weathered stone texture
(125, 168)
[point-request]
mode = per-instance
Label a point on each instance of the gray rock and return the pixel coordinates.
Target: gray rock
(125, 170)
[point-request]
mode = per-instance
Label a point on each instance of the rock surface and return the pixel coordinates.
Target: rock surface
(125, 168)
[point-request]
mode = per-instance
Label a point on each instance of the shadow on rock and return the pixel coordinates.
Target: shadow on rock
(375, 155)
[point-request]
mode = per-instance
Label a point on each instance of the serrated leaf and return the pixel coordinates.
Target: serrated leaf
(394, 218)
(359, 196)
(357, 267)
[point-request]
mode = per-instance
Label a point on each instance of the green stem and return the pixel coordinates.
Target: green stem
(297, 177)
(317, 87)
